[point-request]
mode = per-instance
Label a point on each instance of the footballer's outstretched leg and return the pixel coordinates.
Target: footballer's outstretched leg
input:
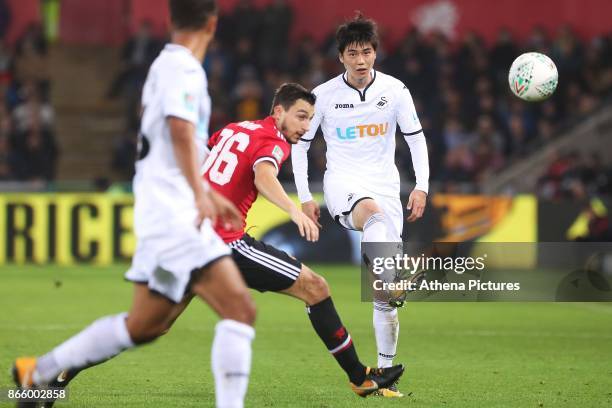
(151, 316)
(141, 292)
(99, 342)
(314, 291)
(238, 313)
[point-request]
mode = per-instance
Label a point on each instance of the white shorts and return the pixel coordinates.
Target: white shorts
(341, 197)
(165, 263)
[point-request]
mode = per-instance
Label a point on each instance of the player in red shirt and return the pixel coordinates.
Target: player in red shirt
(244, 161)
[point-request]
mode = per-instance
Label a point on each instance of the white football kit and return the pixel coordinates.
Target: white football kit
(170, 246)
(359, 130)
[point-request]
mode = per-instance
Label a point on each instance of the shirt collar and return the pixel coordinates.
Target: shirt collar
(362, 94)
(173, 47)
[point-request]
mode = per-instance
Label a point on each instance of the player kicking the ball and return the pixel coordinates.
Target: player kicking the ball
(244, 162)
(358, 112)
(178, 254)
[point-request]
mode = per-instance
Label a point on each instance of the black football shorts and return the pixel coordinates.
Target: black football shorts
(264, 267)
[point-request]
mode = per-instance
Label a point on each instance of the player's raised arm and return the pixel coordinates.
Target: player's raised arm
(299, 161)
(413, 134)
(267, 184)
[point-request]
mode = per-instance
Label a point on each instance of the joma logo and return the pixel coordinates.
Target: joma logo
(344, 106)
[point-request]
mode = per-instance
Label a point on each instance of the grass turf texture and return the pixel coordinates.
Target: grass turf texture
(457, 354)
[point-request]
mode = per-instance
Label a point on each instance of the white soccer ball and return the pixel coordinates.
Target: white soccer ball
(533, 77)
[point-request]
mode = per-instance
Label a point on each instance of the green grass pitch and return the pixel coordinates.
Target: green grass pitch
(457, 354)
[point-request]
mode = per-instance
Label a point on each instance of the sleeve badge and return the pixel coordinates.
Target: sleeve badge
(278, 153)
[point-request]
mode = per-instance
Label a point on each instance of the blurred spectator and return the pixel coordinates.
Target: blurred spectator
(137, 55)
(545, 131)
(571, 175)
(39, 153)
(517, 143)
(32, 109)
(302, 56)
(567, 54)
(8, 160)
(245, 21)
(503, 52)
(486, 158)
(220, 115)
(489, 146)
(276, 21)
(538, 40)
(218, 63)
(6, 60)
(5, 119)
(34, 38)
(31, 64)
(459, 165)
(244, 57)
(454, 135)
(549, 111)
(248, 96)
(5, 19)
(597, 70)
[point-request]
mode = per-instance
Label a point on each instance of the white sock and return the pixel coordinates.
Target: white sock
(386, 324)
(98, 342)
(375, 229)
(231, 362)
(386, 330)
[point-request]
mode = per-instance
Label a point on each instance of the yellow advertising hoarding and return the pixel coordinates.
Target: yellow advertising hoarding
(66, 228)
(96, 228)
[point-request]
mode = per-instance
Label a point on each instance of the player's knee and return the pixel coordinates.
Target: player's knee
(317, 288)
(370, 207)
(249, 311)
(241, 308)
(364, 210)
(141, 333)
(320, 288)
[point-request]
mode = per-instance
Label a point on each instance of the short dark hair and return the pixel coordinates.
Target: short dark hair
(289, 93)
(191, 14)
(359, 30)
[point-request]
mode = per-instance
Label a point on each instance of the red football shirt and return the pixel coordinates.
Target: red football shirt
(235, 150)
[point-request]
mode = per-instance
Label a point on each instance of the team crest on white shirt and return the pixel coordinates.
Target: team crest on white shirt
(382, 103)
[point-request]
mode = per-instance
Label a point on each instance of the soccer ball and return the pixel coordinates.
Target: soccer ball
(533, 77)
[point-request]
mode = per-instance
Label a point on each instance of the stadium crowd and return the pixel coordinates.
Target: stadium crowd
(574, 176)
(474, 126)
(28, 149)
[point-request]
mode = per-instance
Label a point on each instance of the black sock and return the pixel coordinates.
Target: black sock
(328, 326)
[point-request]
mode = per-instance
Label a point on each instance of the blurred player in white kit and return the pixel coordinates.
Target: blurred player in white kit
(178, 254)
